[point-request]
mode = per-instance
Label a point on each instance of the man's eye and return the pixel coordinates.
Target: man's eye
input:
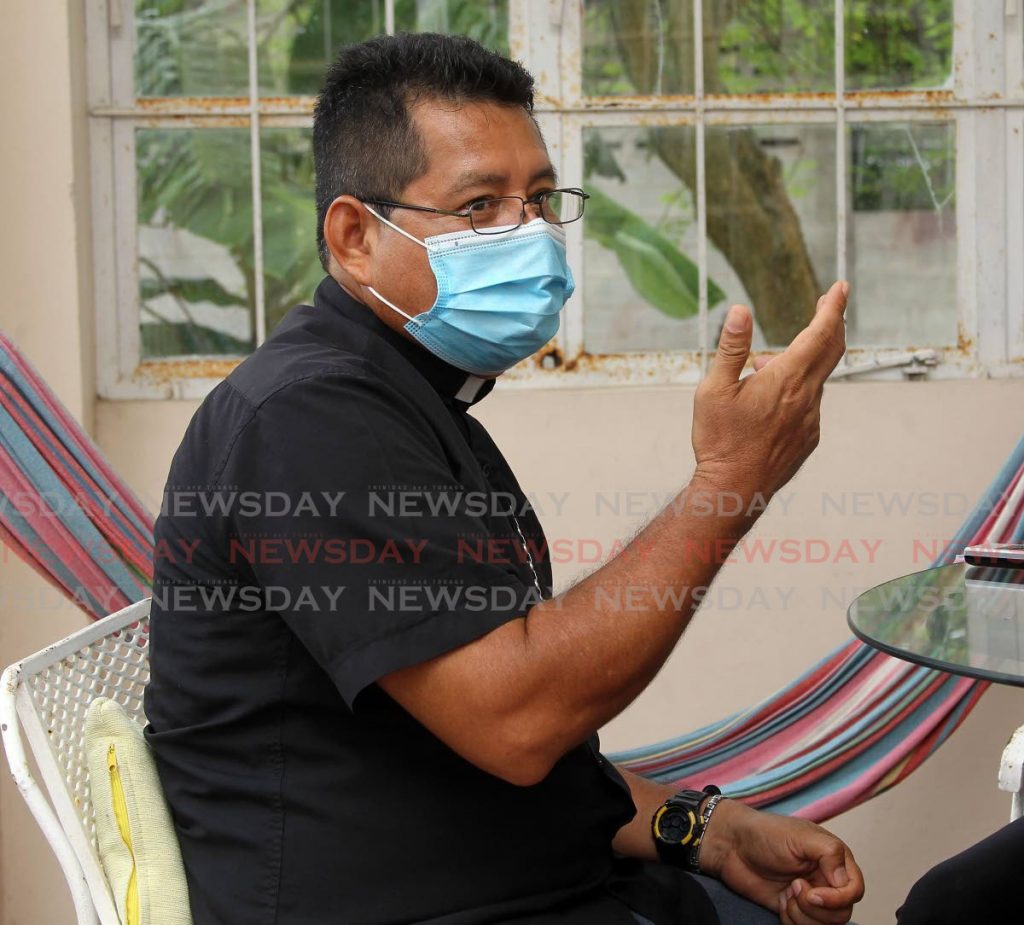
(480, 205)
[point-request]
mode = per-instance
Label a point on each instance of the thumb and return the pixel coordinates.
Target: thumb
(733, 346)
(833, 866)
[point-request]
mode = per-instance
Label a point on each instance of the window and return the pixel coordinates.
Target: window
(750, 150)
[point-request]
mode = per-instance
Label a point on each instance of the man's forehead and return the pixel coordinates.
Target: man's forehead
(480, 142)
(462, 181)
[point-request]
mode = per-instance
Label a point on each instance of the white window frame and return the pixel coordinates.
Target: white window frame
(986, 104)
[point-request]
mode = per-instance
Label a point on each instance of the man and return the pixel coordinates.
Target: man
(366, 706)
(976, 885)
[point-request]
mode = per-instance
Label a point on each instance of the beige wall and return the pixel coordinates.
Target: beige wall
(943, 438)
(44, 268)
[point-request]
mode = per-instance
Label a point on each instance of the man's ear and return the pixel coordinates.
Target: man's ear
(349, 234)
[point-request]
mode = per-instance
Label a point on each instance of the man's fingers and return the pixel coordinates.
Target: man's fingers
(846, 881)
(845, 876)
(856, 877)
(820, 346)
(801, 910)
(833, 865)
(790, 911)
(733, 346)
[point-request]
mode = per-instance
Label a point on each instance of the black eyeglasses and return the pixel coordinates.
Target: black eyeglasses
(504, 213)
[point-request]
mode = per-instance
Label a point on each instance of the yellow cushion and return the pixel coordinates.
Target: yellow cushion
(137, 843)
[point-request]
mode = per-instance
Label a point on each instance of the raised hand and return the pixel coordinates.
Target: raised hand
(751, 435)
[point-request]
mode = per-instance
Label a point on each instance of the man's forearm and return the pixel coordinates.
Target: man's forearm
(589, 653)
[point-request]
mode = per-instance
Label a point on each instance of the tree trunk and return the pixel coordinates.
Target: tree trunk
(750, 218)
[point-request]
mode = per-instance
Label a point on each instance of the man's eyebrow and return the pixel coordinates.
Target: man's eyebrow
(469, 180)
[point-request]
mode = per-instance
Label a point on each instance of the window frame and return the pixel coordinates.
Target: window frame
(986, 104)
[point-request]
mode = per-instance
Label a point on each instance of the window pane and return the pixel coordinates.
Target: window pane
(755, 46)
(191, 48)
(484, 20)
(902, 243)
(291, 265)
(899, 45)
(771, 223)
(195, 241)
(637, 47)
(640, 238)
(296, 40)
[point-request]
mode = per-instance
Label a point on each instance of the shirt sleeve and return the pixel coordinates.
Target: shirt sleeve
(354, 527)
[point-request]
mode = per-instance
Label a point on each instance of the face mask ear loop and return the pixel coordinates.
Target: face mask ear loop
(381, 218)
(392, 305)
(389, 304)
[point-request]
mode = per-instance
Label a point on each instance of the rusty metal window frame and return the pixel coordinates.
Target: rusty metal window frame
(986, 104)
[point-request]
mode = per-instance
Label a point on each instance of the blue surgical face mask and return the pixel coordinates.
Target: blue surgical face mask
(498, 295)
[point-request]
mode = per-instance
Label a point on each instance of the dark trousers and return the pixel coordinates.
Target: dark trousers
(978, 885)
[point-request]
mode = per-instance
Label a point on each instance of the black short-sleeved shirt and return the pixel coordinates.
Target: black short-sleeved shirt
(332, 514)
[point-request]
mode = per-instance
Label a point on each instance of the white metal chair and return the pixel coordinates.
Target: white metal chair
(46, 696)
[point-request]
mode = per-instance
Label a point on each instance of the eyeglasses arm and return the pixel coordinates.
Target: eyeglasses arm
(405, 205)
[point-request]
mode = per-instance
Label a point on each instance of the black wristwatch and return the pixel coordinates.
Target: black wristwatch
(678, 826)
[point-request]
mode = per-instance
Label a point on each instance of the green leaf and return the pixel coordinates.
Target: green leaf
(653, 276)
(191, 290)
(182, 339)
(660, 273)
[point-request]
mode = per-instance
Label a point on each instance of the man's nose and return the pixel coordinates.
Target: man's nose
(537, 208)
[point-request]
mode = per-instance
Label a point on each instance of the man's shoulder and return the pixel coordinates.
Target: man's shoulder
(288, 382)
(295, 355)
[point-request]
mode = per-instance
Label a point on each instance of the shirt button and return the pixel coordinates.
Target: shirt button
(486, 467)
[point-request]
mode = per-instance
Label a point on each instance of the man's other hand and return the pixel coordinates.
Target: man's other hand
(789, 865)
(751, 435)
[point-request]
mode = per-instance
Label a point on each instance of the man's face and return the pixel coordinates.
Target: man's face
(474, 151)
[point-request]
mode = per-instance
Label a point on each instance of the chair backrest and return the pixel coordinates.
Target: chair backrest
(45, 696)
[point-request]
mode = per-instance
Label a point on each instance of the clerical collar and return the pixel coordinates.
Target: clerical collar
(448, 380)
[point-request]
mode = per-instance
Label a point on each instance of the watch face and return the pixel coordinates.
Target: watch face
(675, 825)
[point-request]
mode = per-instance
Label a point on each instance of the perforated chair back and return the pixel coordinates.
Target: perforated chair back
(45, 697)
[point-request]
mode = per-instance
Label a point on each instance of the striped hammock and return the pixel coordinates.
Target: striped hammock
(853, 726)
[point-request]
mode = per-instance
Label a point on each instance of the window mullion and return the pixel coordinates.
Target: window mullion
(571, 335)
(126, 250)
(841, 167)
(983, 211)
(1015, 181)
(259, 296)
(121, 47)
(702, 205)
(125, 257)
(842, 217)
(1015, 234)
(104, 191)
(546, 37)
(569, 160)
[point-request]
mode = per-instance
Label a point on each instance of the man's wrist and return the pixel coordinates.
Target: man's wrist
(707, 812)
(720, 836)
(724, 497)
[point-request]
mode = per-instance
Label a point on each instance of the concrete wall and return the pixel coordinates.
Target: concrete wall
(598, 451)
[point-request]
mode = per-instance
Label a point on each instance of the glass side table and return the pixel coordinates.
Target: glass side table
(961, 619)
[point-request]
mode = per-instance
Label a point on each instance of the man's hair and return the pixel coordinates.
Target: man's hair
(364, 141)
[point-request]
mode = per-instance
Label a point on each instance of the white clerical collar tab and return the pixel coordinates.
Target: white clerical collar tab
(470, 389)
